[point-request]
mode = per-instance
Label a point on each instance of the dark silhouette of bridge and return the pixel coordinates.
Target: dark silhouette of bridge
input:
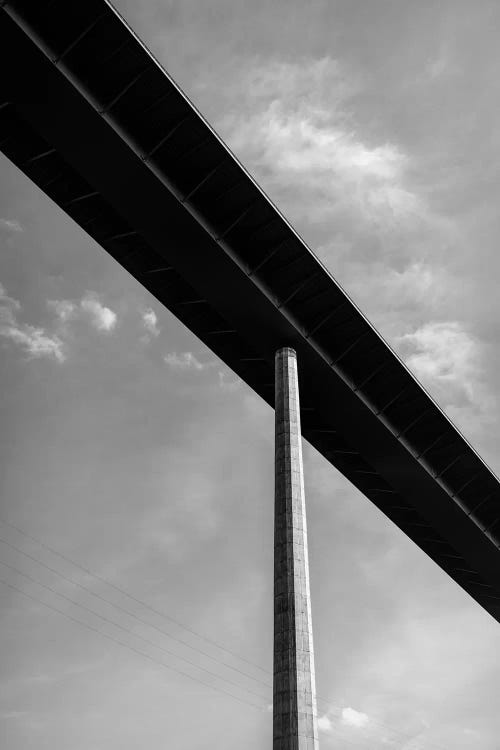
(91, 117)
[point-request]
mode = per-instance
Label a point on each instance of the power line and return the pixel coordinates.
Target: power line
(131, 632)
(260, 708)
(131, 648)
(126, 611)
(133, 598)
(127, 646)
(324, 701)
(69, 580)
(327, 703)
(131, 614)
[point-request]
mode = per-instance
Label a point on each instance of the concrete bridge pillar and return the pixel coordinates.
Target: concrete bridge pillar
(294, 690)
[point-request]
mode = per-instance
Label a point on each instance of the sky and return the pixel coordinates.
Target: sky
(136, 481)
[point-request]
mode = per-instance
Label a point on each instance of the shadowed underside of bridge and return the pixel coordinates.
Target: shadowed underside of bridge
(89, 115)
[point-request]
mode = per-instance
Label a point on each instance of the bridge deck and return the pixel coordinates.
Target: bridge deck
(90, 116)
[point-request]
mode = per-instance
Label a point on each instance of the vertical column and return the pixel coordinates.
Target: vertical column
(294, 690)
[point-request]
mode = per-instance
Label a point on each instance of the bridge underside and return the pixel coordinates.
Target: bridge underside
(93, 120)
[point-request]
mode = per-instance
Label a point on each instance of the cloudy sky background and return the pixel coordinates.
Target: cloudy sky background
(129, 449)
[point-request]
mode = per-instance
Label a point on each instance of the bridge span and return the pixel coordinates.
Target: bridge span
(96, 123)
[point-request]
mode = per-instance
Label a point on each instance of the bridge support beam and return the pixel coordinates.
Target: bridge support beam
(294, 691)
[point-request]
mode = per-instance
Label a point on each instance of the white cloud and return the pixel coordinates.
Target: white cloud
(296, 133)
(7, 302)
(446, 358)
(150, 322)
(37, 341)
(348, 717)
(34, 340)
(336, 169)
(184, 361)
(11, 225)
(101, 317)
(353, 718)
(64, 309)
(325, 724)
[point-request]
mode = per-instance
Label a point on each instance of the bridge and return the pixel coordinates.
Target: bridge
(92, 118)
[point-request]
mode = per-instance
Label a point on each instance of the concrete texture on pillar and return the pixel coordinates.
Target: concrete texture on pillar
(294, 692)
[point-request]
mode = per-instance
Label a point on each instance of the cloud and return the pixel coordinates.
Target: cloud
(229, 381)
(150, 322)
(37, 341)
(101, 317)
(446, 358)
(7, 303)
(337, 169)
(10, 225)
(353, 718)
(64, 309)
(348, 717)
(34, 340)
(296, 131)
(325, 724)
(184, 361)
